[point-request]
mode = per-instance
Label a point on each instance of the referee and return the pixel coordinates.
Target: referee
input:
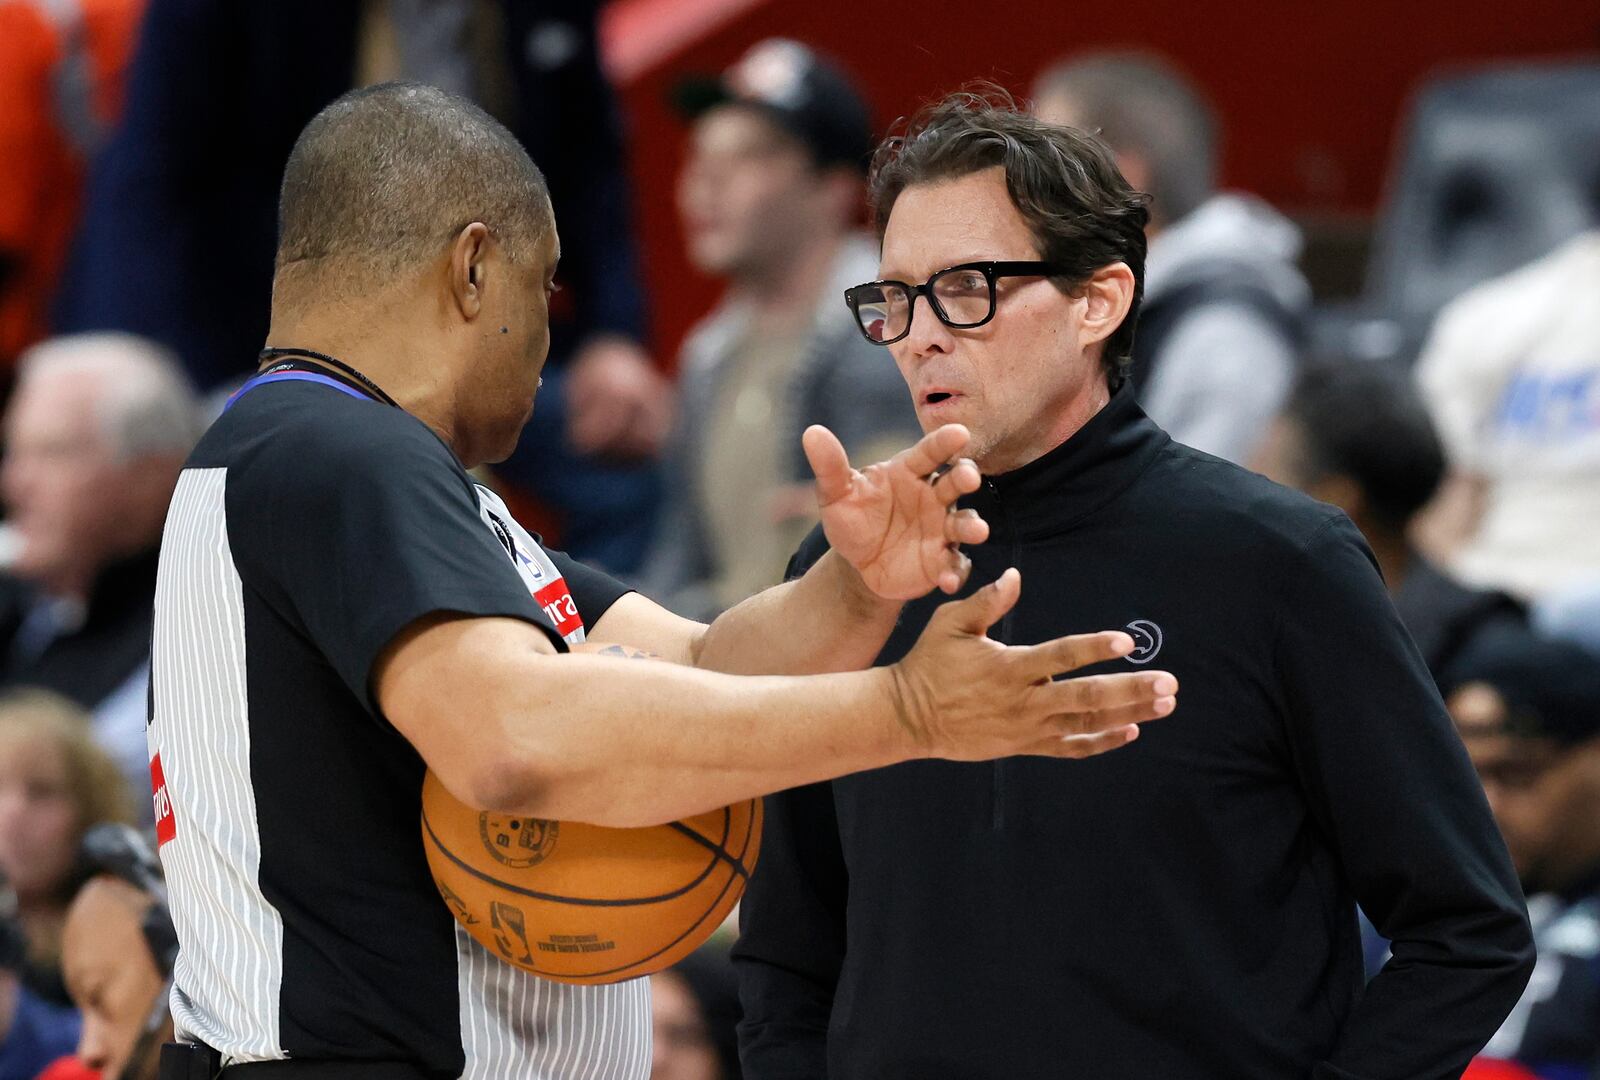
(339, 607)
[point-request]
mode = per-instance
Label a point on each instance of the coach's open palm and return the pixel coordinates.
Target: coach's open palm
(964, 696)
(899, 530)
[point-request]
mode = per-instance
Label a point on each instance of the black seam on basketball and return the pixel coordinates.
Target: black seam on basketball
(717, 900)
(553, 897)
(694, 926)
(712, 846)
(702, 838)
(750, 828)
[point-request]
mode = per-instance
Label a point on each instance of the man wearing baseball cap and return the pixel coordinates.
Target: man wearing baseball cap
(769, 197)
(1528, 710)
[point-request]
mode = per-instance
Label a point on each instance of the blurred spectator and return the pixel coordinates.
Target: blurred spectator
(117, 951)
(180, 232)
(1528, 710)
(1356, 434)
(1512, 375)
(33, 1032)
(769, 198)
(61, 73)
(114, 979)
(695, 1012)
(1496, 164)
(1223, 300)
(54, 784)
(95, 435)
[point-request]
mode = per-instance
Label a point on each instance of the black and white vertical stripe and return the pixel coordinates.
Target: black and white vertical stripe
(516, 1026)
(230, 967)
(230, 971)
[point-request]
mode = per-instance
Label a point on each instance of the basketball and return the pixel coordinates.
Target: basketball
(582, 903)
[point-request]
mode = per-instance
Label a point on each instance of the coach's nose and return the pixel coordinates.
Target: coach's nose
(927, 335)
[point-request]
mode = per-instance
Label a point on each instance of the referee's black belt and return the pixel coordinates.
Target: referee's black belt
(196, 1061)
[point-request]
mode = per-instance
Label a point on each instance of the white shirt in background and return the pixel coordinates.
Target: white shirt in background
(1511, 373)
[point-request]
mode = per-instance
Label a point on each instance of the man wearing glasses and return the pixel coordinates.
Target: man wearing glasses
(1186, 909)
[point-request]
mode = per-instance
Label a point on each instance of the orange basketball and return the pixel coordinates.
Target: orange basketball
(582, 903)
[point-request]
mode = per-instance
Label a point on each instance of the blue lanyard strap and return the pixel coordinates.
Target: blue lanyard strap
(295, 376)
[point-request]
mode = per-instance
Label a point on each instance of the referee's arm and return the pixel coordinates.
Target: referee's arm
(507, 723)
(825, 621)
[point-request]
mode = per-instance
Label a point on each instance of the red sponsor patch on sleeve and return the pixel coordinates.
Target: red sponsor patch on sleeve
(556, 599)
(166, 827)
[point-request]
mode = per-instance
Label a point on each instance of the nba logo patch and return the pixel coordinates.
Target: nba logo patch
(530, 564)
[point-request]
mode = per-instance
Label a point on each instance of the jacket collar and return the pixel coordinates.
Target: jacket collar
(1053, 492)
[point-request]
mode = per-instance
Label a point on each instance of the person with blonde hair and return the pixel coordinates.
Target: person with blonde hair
(55, 782)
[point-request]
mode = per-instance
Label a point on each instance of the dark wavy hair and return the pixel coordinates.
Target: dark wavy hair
(1366, 420)
(1064, 182)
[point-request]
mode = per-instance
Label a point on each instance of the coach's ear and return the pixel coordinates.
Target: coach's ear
(1107, 296)
(469, 254)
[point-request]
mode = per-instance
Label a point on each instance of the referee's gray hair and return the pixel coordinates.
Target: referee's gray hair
(146, 404)
(381, 179)
(1138, 102)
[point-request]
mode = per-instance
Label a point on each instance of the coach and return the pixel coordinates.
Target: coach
(339, 606)
(1185, 909)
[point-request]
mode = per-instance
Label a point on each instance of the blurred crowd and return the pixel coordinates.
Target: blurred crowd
(1453, 412)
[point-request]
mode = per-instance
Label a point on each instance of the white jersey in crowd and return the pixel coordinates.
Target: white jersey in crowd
(1512, 376)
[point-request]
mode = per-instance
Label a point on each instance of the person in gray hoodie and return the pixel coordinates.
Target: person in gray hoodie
(1224, 301)
(769, 195)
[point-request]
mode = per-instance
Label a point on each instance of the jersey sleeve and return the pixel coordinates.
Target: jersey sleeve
(593, 591)
(359, 529)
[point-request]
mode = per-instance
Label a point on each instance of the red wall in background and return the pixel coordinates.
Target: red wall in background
(1310, 94)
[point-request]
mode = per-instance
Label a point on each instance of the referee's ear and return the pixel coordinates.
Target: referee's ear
(468, 269)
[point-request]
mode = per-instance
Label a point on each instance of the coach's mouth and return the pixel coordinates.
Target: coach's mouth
(938, 398)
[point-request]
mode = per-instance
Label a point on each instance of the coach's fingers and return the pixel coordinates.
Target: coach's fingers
(934, 449)
(965, 527)
(961, 478)
(1097, 693)
(829, 463)
(1083, 746)
(984, 608)
(1063, 654)
(1093, 723)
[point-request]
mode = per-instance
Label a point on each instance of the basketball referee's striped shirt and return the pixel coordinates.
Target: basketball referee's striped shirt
(309, 527)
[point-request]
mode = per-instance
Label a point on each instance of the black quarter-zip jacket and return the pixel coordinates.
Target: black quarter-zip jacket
(1184, 907)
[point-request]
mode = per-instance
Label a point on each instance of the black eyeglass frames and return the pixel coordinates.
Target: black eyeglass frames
(962, 297)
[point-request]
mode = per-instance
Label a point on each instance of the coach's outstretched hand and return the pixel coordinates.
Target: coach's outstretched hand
(963, 696)
(900, 532)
